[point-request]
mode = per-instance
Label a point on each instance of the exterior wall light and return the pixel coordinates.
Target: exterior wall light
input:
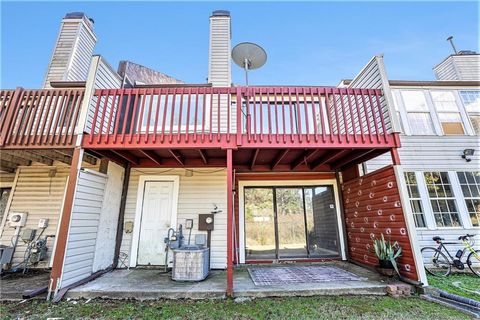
(468, 153)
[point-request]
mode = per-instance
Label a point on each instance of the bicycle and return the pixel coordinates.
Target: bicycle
(436, 262)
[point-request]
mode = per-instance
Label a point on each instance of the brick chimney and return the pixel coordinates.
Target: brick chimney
(73, 51)
(219, 68)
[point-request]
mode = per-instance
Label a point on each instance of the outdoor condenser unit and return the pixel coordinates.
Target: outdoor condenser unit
(191, 263)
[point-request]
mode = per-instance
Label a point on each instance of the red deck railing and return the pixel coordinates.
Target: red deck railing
(254, 117)
(39, 118)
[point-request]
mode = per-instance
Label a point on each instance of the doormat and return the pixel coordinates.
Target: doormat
(300, 274)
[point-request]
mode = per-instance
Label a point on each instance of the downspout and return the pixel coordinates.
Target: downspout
(121, 215)
(342, 214)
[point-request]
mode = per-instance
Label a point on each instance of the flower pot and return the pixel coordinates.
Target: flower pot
(385, 264)
(385, 267)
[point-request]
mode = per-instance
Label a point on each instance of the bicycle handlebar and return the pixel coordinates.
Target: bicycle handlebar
(465, 237)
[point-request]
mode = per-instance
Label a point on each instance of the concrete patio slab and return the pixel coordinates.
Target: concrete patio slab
(371, 284)
(147, 284)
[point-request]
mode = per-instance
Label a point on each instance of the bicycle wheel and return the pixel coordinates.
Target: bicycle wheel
(435, 262)
(473, 262)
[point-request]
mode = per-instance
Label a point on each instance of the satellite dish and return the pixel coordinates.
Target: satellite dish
(249, 56)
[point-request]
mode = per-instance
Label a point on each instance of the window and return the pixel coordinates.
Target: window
(448, 112)
(415, 200)
(470, 184)
(471, 100)
(418, 113)
(442, 199)
(397, 113)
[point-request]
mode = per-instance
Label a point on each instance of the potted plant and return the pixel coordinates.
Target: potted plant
(387, 254)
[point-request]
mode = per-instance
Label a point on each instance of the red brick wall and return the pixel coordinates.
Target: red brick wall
(372, 206)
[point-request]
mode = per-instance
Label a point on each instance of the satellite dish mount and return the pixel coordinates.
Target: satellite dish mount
(249, 56)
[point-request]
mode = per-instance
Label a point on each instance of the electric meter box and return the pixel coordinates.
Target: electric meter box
(17, 219)
(43, 223)
(206, 222)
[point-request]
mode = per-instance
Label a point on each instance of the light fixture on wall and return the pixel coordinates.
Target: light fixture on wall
(468, 153)
(188, 173)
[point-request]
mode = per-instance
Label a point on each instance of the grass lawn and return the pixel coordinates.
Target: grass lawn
(350, 307)
(462, 284)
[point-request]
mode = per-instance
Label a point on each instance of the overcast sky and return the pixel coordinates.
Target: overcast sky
(308, 43)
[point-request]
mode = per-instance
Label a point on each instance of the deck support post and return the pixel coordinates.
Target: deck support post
(229, 223)
(62, 235)
(395, 156)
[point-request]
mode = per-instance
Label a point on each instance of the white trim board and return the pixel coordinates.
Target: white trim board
(138, 209)
(412, 232)
(274, 183)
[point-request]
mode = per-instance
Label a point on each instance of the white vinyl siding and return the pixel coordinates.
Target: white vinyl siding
(104, 78)
(197, 194)
(40, 196)
(373, 76)
(219, 71)
(459, 67)
(83, 230)
(72, 53)
(6, 179)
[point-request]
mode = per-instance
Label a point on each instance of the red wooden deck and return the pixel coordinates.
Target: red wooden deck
(282, 128)
(39, 118)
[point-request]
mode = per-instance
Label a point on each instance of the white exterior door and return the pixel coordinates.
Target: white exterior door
(155, 222)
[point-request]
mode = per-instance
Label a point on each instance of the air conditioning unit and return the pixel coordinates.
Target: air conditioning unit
(17, 219)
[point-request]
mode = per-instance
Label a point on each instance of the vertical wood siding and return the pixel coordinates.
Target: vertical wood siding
(83, 231)
(372, 206)
(196, 196)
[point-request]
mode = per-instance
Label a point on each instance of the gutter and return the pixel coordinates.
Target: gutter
(61, 293)
(121, 215)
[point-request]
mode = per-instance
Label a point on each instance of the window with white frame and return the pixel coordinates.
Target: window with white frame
(442, 199)
(471, 100)
(448, 113)
(470, 184)
(415, 199)
(418, 113)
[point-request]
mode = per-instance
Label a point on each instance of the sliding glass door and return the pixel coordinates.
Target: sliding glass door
(290, 222)
(260, 223)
